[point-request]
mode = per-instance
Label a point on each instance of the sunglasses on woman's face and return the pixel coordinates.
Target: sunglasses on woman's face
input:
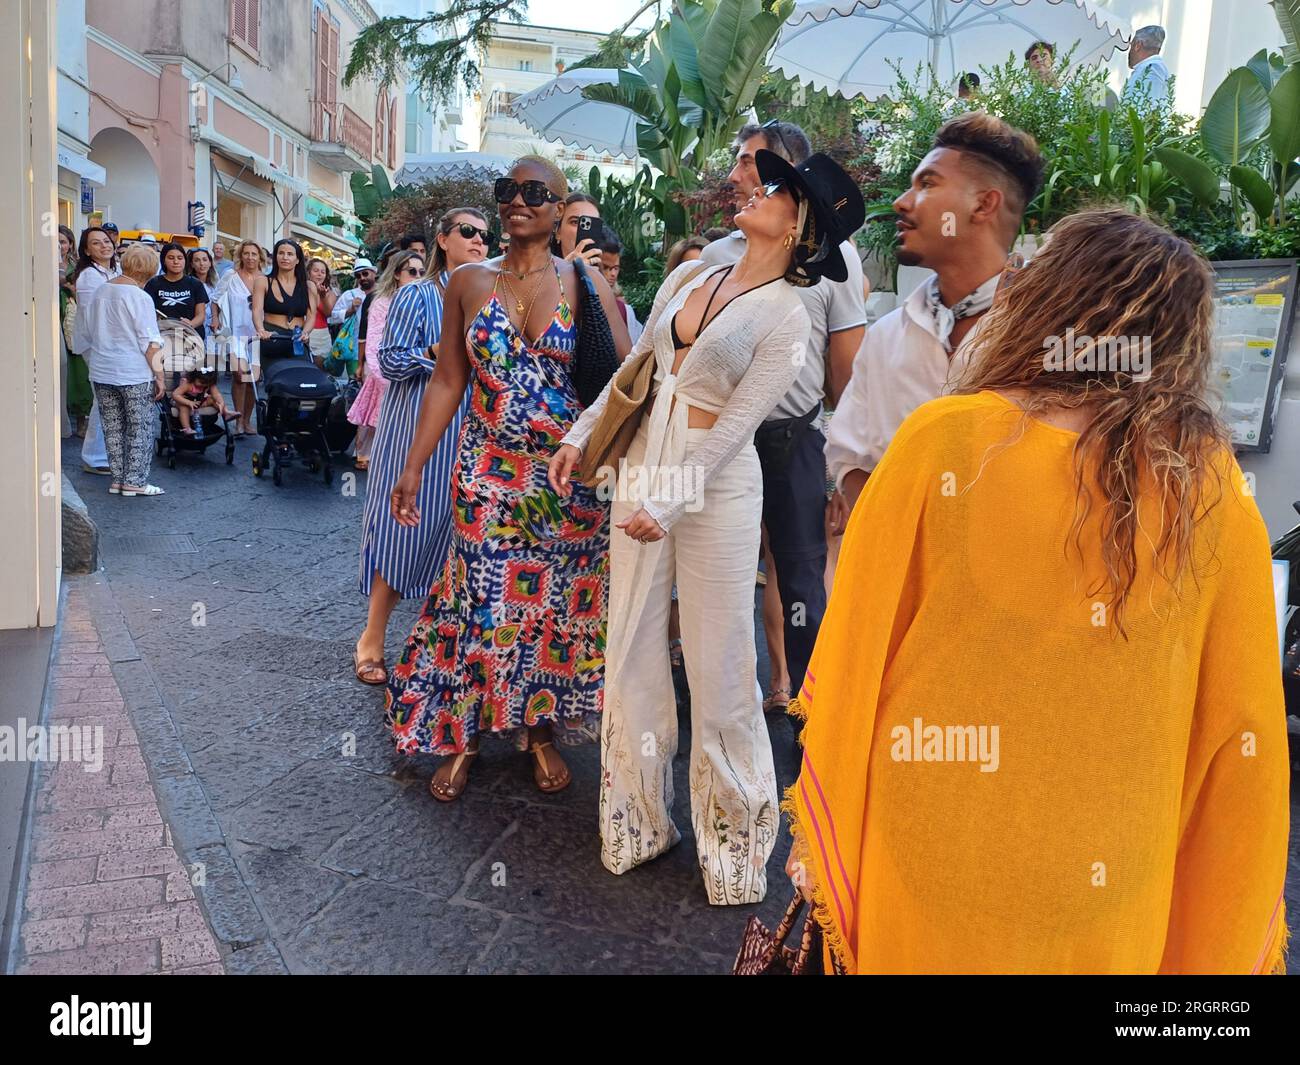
(469, 232)
(771, 188)
(535, 193)
(412, 271)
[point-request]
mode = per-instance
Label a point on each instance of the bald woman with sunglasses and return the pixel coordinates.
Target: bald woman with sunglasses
(511, 641)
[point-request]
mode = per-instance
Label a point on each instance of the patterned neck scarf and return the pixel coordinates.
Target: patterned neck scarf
(945, 318)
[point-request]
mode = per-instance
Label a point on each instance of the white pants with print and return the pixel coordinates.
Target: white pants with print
(712, 554)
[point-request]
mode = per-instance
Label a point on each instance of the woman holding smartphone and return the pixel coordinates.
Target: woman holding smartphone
(578, 234)
(512, 638)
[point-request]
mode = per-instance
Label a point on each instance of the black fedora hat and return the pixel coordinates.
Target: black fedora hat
(835, 212)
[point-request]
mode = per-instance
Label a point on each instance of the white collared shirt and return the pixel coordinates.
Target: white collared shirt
(901, 364)
(1150, 78)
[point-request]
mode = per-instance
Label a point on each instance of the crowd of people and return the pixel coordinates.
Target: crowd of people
(1068, 559)
(1042, 725)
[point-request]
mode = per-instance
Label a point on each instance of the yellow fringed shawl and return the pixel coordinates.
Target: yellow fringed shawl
(1128, 815)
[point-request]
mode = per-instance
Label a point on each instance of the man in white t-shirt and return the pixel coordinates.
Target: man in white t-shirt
(790, 442)
(363, 272)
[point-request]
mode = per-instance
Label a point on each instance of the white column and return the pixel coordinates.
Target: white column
(29, 424)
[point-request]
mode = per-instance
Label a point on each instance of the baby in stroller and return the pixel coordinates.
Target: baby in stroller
(196, 396)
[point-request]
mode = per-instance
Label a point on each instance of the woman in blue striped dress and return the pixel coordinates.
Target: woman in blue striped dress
(399, 562)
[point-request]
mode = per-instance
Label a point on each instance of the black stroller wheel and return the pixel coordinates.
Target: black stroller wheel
(329, 473)
(171, 462)
(276, 475)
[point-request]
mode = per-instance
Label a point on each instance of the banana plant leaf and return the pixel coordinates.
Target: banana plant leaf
(1258, 192)
(1237, 117)
(1201, 181)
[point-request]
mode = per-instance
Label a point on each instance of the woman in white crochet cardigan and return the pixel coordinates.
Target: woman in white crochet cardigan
(727, 342)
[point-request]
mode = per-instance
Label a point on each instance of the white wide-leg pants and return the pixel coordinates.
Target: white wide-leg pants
(712, 555)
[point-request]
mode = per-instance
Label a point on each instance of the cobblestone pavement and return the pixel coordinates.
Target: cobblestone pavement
(228, 610)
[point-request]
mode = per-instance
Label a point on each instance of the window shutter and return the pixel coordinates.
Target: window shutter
(253, 14)
(332, 56)
(239, 19)
(392, 132)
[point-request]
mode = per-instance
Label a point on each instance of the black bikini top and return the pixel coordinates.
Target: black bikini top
(704, 318)
(294, 306)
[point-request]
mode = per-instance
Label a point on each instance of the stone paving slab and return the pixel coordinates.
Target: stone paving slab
(96, 897)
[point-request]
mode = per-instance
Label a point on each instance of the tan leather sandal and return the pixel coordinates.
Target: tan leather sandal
(450, 787)
(546, 781)
(370, 671)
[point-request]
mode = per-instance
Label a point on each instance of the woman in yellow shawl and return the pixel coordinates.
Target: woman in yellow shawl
(1045, 728)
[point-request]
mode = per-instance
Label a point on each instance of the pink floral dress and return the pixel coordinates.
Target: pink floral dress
(365, 408)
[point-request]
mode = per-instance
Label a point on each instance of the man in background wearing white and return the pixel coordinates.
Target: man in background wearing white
(1149, 81)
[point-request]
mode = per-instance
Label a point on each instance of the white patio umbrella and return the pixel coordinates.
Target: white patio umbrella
(558, 111)
(417, 168)
(846, 46)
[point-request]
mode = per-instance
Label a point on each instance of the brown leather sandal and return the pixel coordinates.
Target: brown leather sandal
(546, 781)
(449, 788)
(364, 670)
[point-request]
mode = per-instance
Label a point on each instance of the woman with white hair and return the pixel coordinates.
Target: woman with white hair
(124, 340)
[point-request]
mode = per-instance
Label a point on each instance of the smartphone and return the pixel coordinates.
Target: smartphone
(590, 228)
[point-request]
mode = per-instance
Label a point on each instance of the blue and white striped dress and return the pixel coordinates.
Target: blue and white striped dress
(408, 558)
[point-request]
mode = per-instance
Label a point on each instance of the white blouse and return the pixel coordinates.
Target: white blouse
(88, 283)
(121, 323)
(739, 368)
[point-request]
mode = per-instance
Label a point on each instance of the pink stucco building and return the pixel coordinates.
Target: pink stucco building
(235, 105)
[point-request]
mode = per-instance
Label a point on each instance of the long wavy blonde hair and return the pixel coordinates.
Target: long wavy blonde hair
(1105, 274)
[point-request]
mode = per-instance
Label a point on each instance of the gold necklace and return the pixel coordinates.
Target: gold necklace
(519, 304)
(528, 273)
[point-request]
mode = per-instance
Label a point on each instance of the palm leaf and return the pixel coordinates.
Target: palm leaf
(1192, 172)
(1284, 127)
(1236, 118)
(1287, 13)
(1258, 192)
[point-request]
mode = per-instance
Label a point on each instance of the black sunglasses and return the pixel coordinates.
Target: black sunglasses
(412, 271)
(773, 125)
(469, 232)
(535, 193)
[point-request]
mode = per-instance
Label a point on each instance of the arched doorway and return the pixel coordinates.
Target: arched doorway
(130, 196)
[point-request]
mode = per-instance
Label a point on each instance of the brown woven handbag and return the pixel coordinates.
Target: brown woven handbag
(630, 396)
(764, 953)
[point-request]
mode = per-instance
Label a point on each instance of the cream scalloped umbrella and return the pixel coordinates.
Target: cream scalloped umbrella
(558, 111)
(846, 46)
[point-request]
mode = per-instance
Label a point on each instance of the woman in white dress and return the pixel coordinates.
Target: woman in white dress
(727, 343)
(234, 296)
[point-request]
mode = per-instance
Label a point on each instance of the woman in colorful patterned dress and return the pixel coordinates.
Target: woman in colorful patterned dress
(512, 639)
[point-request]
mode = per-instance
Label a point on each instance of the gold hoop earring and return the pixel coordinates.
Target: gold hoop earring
(789, 241)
